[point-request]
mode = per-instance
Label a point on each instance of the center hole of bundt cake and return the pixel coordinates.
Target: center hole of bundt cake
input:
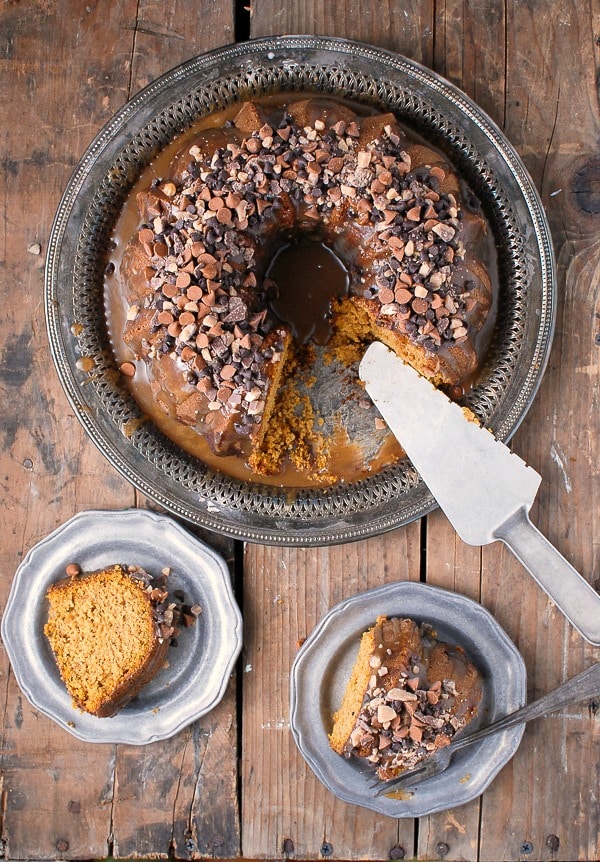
(302, 280)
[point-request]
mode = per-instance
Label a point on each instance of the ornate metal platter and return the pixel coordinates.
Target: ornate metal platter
(80, 241)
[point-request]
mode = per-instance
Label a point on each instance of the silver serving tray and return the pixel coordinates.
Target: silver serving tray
(199, 667)
(80, 240)
(323, 666)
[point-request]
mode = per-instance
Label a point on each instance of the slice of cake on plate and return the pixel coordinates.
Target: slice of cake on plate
(407, 696)
(109, 632)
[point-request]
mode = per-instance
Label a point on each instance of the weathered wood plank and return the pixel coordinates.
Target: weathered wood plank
(286, 592)
(162, 801)
(405, 26)
(469, 51)
(166, 34)
(50, 471)
(187, 802)
(552, 118)
(66, 69)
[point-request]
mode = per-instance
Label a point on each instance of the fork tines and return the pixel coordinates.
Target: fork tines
(405, 778)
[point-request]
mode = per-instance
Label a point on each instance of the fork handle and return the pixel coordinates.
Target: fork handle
(585, 684)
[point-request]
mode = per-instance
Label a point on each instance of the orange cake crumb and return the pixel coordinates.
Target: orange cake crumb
(104, 632)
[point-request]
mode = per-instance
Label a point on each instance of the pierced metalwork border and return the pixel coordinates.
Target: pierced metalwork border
(80, 240)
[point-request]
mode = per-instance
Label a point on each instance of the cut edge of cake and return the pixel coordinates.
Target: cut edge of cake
(85, 648)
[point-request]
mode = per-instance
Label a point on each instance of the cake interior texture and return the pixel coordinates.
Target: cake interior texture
(269, 250)
(408, 695)
(104, 631)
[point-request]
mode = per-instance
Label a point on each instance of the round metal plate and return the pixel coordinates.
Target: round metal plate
(323, 666)
(199, 667)
(81, 238)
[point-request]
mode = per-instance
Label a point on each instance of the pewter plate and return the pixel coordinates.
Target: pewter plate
(323, 667)
(199, 666)
(81, 236)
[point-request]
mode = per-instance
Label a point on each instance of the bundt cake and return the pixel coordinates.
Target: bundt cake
(208, 315)
(408, 695)
(109, 632)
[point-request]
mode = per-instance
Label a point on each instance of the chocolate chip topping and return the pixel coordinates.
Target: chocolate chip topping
(398, 727)
(204, 235)
(169, 615)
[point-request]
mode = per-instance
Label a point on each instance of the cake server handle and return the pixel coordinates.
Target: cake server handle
(571, 593)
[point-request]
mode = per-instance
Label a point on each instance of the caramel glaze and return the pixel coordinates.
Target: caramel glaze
(164, 389)
(418, 653)
(411, 658)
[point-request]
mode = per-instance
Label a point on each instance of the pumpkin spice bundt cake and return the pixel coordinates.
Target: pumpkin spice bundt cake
(213, 325)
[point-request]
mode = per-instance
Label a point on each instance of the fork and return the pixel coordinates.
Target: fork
(586, 684)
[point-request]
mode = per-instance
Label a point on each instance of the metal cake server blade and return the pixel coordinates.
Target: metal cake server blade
(483, 488)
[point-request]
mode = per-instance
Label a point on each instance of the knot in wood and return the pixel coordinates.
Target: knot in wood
(586, 187)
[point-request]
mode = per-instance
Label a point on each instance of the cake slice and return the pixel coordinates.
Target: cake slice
(407, 696)
(109, 632)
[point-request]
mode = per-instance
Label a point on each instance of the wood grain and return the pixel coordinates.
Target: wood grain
(406, 27)
(553, 121)
(177, 797)
(469, 51)
(49, 469)
(286, 592)
(324, 576)
(66, 69)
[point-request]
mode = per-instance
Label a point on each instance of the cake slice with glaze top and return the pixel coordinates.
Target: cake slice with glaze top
(408, 695)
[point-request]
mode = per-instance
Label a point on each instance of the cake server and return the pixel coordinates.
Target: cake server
(484, 489)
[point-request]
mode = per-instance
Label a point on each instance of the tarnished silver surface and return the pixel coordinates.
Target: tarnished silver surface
(199, 666)
(80, 241)
(323, 667)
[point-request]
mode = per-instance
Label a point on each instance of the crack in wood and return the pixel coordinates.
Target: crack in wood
(134, 29)
(110, 839)
(3, 790)
(173, 842)
(552, 133)
(191, 832)
(150, 31)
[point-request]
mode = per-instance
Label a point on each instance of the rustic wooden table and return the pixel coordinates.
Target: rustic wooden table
(233, 784)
